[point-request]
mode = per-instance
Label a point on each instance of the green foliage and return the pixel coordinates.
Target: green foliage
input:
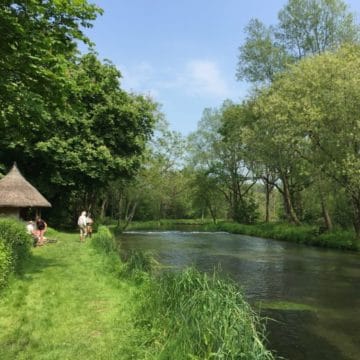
(139, 261)
(305, 27)
(338, 239)
(64, 118)
(261, 56)
(16, 239)
(189, 314)
(104, 241)
(15, 247)
(196, 316)
(313, 107)
(304, 234)
(5, 263)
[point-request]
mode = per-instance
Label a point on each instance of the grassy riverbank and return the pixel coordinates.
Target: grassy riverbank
(64, 306)
(304, 234)
(75, 300)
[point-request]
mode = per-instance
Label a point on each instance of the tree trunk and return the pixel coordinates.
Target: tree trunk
(129, 214)
(356, 216)
(288, 204)
(267, 203)
(327, 218)
(212, 213)
(103, 208)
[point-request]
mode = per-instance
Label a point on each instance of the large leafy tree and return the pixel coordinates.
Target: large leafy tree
(220, 153)
(64, 118)
(100, 137)
(315, 105)
(38, 39)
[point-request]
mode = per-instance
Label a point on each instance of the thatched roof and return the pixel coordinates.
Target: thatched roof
(15, 191)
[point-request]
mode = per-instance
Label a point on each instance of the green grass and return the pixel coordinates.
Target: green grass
(65, 306)
(304, 234)
(192, 315)
(80, 301)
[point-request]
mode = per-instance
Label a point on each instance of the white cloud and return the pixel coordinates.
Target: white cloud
(203, 77)
(137, 77)
(196, 78)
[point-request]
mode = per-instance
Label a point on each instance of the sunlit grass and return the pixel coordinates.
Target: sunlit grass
(66, 307)
(80, 301)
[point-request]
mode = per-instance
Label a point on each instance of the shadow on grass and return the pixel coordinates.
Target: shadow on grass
(36, 264)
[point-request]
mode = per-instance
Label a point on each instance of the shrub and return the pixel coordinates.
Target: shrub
(14, 236)
(15, 247)
(104, 241)
(5, 263)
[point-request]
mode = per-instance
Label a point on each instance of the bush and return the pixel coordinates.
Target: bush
(5, 263)
(104, 241)
(15, 247)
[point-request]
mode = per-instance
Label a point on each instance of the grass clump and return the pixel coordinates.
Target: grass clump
(188, 314)
(191, 315)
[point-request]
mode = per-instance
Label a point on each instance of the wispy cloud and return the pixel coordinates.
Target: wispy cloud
(195, 78)
(203, 77)
(139, 78)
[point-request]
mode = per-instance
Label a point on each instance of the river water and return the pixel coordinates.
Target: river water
(310, 295)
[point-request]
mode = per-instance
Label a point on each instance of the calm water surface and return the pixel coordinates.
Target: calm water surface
(312, 295)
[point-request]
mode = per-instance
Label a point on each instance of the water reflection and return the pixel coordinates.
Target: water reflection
(269, 271)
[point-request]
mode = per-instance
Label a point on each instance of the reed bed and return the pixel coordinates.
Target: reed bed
(192, 315)
(188, 314)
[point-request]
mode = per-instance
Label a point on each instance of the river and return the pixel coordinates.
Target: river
(310, 295)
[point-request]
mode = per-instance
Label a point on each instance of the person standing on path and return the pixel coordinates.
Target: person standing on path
(82, 223)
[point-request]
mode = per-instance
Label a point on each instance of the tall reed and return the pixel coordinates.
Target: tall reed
(188, 314)
(192, 315)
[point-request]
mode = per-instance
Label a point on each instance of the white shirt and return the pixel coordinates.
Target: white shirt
(82, 220)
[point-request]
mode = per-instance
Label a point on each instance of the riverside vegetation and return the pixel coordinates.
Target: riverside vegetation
(305, 234)
(74, 300)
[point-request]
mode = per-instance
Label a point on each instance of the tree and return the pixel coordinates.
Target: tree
(316, 106)
(219, 152)
(100, 134)
(305, 27)
(38, 40)
(314, 26)
(261, 57)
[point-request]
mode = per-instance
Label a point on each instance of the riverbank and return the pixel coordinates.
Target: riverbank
(79, 300)
(304, 234)
(64, 306)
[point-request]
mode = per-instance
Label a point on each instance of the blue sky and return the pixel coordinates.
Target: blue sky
(183, 53)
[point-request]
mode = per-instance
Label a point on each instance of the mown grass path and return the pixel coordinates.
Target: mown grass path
(65, 306)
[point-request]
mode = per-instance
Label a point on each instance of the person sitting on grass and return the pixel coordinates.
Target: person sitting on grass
(31, 230)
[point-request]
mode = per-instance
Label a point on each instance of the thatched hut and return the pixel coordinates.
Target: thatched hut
(16, 193)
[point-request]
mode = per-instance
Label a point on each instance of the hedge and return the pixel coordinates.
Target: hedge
(15, 247)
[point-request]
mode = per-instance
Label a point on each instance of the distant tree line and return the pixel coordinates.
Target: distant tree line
(290, 151)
